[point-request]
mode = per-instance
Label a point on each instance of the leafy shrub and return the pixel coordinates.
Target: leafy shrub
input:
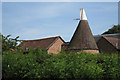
(8, 43)
(81, 65)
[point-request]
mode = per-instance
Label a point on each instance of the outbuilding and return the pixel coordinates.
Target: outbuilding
(109, 45)
(51, 44)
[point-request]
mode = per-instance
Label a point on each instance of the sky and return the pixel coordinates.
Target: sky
(60, 0)
(36, 20)
(119, 13)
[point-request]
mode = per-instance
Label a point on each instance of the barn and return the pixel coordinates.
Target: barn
(51, 44)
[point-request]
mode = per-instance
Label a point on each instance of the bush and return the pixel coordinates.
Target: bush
(8, 43)
(38, 64)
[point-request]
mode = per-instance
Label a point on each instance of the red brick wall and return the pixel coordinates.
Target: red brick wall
(56, 47)
(92, 51)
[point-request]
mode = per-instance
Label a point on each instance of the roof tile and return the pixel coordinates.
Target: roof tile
(42, 43)
(114, 41)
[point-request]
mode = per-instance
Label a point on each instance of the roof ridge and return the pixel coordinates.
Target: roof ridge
(44, 43)
(111, 37)
(42, 38)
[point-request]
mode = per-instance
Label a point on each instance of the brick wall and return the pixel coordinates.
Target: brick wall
(56, 47)
(92, 51)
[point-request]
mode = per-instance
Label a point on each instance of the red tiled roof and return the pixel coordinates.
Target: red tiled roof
(42, 43)
(114, 41)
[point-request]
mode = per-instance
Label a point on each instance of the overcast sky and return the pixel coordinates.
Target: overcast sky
(35, 20)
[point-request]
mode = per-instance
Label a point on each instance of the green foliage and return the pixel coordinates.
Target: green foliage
(114, 29)
(81, 65)
(9, 42)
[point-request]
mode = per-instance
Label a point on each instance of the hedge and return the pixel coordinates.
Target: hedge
(38, 64)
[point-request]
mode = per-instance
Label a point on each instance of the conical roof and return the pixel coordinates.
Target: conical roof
(83, 38)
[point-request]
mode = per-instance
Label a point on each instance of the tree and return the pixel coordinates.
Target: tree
(8, 43)
(114, 29)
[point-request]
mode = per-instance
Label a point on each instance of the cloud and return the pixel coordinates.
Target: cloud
(32, 13)
(22, 21)
(39, 20)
